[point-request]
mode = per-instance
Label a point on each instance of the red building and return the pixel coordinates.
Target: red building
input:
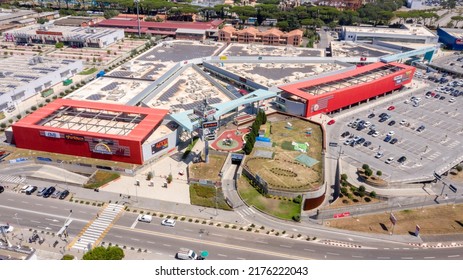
(89, 129)
(340, 91)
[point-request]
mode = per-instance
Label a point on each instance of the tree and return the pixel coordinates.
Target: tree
(459, 168)
(67, 257)
(457, 19)
(362, 189)
(110, 13)
(365, 166)
(368, 172)
(343, 177)
(373, 194)
(379, 173)
(102, 253)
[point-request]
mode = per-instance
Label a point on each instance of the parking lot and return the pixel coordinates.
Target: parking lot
(434, 148)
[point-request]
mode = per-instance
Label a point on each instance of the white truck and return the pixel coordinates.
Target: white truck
(186, 254)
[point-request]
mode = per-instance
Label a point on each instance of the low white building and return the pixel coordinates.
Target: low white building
(416, 34)
(24, 76)
(72, 36)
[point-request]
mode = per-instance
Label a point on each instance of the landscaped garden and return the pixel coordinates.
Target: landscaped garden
(208, 197)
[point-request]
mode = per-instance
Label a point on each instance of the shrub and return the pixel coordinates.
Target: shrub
(355, 200)
(459, 168)
(379, 173)
(297, 218)
(373, 194)
(67, 257)
(368, 172)
(344, 177)
(367, 199)
(149, 176)
(344, 190)
(169, 178)
(362, 189)
(297, 199)
(365, 166)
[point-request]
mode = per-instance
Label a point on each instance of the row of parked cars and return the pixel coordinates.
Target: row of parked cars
(45, 191)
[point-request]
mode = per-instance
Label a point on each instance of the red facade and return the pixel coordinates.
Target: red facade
(349, 95)
(28, 134)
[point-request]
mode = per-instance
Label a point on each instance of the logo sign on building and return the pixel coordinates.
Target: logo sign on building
(393, 219)
(459, 41)
(159, 146)
(102, 148)
(52, 134)
(223, 57)
(53, 33)
(74, 137)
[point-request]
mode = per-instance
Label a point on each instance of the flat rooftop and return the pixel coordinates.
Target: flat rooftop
(18, 71)
(351, 78)
(154, 63)
(186, 92)
(407, 29)
(455, 32)
(352, 49)
(81, 33)
(95, 119)
(236, 49)
(110, 90)
(271, 74)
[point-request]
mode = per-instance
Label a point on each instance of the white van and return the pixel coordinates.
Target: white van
(186, 254)
(145, 218)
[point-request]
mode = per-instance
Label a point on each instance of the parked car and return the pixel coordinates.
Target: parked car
(347, 142)
(41, 191)
(372, 115)
(49, 192)
(2, 189)
(390, 108)
(367, 143)
(64, 194)
(145, 218)
(421, 128)
(168, 222)
(382, 115)
(402, 159)
(345, 134)
(376, 134)
(390, 133)
(379, 154)
(371, 132)
(56, 194)
(403, 122)
(361, 140)
(6, 228)
(331, 122)
(393, 141)
(391, 123)
(389, 160)
(452, 100)
(388, 138)
(31, 190)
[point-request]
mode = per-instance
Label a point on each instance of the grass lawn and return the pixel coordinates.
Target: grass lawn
(283, 209)
(208, 171)
(205, 196)
(101, 178)
(88, 71)
(432, 220)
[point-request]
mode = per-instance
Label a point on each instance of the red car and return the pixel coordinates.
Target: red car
(331, 122)
(390, 108)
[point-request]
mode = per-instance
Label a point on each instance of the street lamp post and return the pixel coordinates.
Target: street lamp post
(138, 16)
(22, 235)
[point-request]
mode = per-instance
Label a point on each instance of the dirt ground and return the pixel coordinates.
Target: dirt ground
(447, 219)
(456, 176)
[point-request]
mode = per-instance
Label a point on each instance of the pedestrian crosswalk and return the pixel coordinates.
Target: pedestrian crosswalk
(12, 179)
(96, 229)
(246, 212)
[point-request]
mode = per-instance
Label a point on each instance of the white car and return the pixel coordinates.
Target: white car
(376, 134)
(6, 228)
(379, 154)
(367, 124)
(451, 100)
(168, 222)
(145, 218)
(389, 160)
(403, 122)
(390, 133)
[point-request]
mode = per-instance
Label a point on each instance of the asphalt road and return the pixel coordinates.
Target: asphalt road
(221, 243)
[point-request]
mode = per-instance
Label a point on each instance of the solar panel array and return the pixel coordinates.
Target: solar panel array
(110, 86)
(191, 106)
(169, 93)
(178, 52)
(95, 96)
(120, 74)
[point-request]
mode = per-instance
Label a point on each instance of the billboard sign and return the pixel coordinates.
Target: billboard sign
(52, 134)
(159, 146)
(393, 219)
(209, 130)
(102, 148)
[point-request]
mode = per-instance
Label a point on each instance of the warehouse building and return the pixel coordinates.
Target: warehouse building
(406, 34)
(451, 37)
(97, 130)
(72, 36)
(341, 91)
(24, 76)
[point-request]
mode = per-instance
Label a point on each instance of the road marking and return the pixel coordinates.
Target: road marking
(25, 202)
(239, 238)
(240, 259)
(286, 246)
(383, 258)
(222, 255)
(220, 235)
(54, 207)
(55, 225)
(9, 199)
(453, 256)
(187, 229)
(357, 256)
(396, 248)
(167, 245)
(334, 254)
(157, 253)
(38, 204)
(35, 222)
(406, 248)
(136, 222)
(429, 257)
(310, 250)
(150, 242)
(118, 236)
(407, 258)
(262, 242)
(83, 212)
(386, 248)
(134, 239)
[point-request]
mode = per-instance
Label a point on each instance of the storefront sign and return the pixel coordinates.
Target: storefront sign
(74, 137)
(51, 134)
(102, 148)
(159, 146)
